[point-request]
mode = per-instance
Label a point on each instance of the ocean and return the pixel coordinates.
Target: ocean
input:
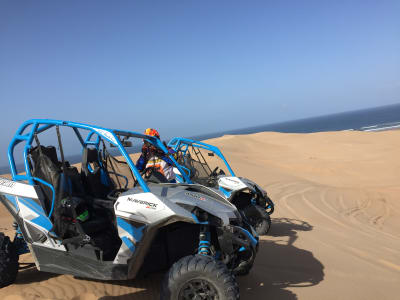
(372, 119)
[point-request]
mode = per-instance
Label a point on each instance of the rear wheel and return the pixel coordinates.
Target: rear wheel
(199, 277)
(258, 218)
(8, 261)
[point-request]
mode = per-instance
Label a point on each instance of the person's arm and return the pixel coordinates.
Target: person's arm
(141, 163)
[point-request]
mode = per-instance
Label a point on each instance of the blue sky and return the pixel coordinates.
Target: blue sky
(193, 67)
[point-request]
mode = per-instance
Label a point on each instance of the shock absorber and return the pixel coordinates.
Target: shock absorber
(19, 241)
(204, 240)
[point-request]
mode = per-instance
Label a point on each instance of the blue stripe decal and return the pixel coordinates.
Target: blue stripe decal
(32, 205)
(42, 221)
(226, 193)
(13, 200)
(137, 233)
(128, 243)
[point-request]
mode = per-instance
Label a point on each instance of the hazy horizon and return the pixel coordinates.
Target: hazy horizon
(258, 128)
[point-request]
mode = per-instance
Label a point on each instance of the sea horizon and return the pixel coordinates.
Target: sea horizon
(371, 119)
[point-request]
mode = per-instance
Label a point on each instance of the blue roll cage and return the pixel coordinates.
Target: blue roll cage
(182, 145)
(110, 135)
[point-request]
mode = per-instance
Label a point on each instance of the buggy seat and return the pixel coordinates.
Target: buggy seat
(94, 176)
(47, 167)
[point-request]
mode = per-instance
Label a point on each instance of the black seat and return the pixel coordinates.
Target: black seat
(47, 167)
(97, 182)
(69, 194)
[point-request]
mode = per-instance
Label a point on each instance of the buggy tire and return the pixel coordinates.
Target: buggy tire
(243, 270)
(8, 261)
(199, 275)
(258, 218)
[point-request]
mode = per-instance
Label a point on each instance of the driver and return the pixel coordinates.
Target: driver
(152, 157)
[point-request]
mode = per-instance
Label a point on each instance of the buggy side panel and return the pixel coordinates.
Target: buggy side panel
(131, 234)
(22, 200)
(139, 217)
(11, 187)
(60, 262)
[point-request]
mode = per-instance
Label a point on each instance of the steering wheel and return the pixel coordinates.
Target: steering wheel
(214, 172)
(147, 172)
(212, 179)
(152, 174)
(114, 194)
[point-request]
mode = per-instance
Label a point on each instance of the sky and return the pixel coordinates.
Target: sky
(194, 67)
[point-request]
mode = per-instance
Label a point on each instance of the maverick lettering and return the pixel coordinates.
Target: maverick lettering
(148, 204)
(232, 180)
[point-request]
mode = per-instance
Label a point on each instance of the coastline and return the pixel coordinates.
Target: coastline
(335, 231)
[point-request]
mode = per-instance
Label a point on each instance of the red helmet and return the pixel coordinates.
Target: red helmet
(152, 132)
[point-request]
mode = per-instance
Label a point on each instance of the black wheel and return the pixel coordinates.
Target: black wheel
(8, 261)
(258, 218)
(199, 277)
(245, 266)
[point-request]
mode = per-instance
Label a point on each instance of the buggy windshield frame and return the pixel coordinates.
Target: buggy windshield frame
(182, 144)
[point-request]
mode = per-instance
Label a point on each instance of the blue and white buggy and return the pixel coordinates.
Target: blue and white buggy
(205, 164)
(105, 221)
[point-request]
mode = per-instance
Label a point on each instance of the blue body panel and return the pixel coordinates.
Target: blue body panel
(13, 201)
(128, 243)
(136, 233)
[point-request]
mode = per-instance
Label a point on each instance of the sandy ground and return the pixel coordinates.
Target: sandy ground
(335, 231)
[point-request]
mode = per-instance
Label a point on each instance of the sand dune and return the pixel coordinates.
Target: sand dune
(335, 231)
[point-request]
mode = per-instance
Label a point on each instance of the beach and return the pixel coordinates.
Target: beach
(335, 231)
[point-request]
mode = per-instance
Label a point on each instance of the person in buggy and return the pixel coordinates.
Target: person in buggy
(153, 160)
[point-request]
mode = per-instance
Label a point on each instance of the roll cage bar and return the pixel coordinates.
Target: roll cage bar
(182, 144)
(110, 135)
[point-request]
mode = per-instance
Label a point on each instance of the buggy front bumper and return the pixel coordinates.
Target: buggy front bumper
(234, 238)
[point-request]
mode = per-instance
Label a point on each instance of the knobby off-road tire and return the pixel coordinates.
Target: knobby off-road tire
(8, 261)
(199, 277)
(258, 218)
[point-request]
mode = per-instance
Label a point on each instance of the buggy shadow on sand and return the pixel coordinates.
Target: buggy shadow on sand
(106, 222)
(283, 267)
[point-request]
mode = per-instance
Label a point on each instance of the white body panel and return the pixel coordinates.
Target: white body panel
(17, 188)
(144, 206)
(231, 183)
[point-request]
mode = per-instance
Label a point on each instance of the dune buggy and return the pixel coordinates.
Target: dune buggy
(103, 220)
(205, 164)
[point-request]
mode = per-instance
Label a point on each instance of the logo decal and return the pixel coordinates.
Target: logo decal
(231, 180)
(7, 183)
(107, 134)
(149, 205)
(195, 196)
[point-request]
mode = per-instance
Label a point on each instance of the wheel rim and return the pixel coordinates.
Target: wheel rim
(198, 289)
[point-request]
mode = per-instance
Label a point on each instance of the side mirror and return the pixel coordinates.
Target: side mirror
(126, 144)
